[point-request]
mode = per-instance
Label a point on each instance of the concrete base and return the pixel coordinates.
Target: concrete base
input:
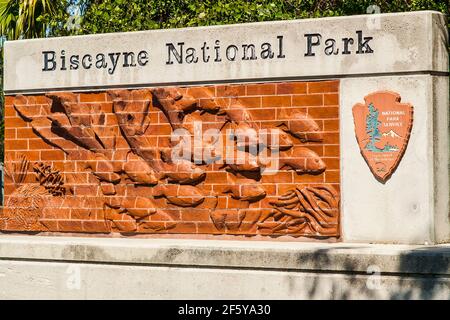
(33, 267)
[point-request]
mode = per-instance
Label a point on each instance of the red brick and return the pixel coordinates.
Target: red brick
(185, 227)
(8, 189)
(332, 163)
(52, 155)
(263, 114)
(270, 188)
(30, 178)
(276, 101)
(323, 112)
(216, 177)
(51, 225)
(323, 86)
(56, 213)
(25, 133)
(331, 151)
(106, 107)
(201, 92)
(282, 188)
(111, 120)
(218, 188)
(330, 99)
(10, 133)
(96, 226)
(316, 148)
(292, 88)
(195, 215)
(92, 97)
(307, 100)
(332, 176)
(41, 99)
(15, 123)
(70, 225)
(251, 102)
(10, 111)
(38, 144)
(331, 138)
(230, 91)
(279, 177)
(208, 228)
(261, 89)
(141, 95)
(331, 125)
(87, 190)
(79, 213)
(13, 144)
(9, 100)
(124, 226)
(159, 129)
(32, 155)
(308, 178)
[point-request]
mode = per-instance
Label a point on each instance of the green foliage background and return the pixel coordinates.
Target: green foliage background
(103, 16)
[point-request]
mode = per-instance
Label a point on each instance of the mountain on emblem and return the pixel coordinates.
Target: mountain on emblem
(382, 127)
(391, 134)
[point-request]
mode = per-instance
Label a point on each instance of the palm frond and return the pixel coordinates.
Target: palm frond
(19, 19)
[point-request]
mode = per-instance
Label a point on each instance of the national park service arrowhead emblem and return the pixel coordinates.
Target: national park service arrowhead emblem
(382, 127)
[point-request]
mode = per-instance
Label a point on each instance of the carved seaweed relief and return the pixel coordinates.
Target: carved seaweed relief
(315, 208)
(16, 168)
(127, 150)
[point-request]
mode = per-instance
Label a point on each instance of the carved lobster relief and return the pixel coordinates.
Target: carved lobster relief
(127, 174)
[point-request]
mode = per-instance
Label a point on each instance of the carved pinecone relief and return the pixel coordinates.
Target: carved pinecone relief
(49, 178)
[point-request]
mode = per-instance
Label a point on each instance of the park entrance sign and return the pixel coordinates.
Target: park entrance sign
(332, 128)
(285, 50)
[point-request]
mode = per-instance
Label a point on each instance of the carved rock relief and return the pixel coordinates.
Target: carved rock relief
(123, 172)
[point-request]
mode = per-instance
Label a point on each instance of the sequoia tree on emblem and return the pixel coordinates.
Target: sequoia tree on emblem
(382, 127)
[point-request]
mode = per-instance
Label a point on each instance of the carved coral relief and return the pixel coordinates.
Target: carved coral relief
(129, 159)
(24, 206)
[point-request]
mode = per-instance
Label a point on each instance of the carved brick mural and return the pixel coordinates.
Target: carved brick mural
(250, 159)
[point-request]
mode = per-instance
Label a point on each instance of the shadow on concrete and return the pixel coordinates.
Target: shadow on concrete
(422, 273)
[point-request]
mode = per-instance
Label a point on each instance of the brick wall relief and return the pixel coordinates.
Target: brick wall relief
(227, 159)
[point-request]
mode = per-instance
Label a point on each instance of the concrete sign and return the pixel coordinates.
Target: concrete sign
(330, 129)
(312, 48)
